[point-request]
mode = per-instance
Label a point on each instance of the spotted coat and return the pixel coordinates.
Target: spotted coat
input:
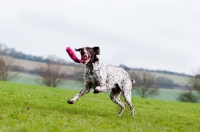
(102, 77)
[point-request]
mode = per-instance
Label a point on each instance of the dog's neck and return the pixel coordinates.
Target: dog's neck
(89, 66)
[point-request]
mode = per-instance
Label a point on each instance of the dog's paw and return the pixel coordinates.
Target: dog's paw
(70, 102)
(96, 91)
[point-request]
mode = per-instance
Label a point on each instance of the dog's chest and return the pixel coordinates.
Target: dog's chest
(92, 79)
(91, 76)
(95, 73)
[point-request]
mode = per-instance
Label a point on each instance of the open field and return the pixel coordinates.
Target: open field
(31, 108)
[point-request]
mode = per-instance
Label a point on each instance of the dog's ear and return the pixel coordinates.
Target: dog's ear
(77, 49)
(96, 50)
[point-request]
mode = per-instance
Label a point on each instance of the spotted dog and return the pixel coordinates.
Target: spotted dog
(102, 77)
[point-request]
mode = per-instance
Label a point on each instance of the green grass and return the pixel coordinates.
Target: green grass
(32, 108)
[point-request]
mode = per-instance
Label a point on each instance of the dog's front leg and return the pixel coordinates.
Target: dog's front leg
(84, 91)
(101, 76)
(101, 88)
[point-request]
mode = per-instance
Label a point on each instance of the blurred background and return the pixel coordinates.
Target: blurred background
(158, 37)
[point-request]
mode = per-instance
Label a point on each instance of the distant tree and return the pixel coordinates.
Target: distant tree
(6, 64)
(3, 49)
(15, 54)
(125, 67)
(77, 75)
(52, 73)
(188, 97)
(195, 82)
(164, 82)
(145, 83)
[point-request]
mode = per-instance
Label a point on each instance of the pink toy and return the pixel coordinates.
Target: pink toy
(74, 57)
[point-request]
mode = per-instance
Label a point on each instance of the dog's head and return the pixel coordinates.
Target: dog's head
(89, 54)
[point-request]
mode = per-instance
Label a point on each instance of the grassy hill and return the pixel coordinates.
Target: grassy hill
(181, 80)
(31, 108)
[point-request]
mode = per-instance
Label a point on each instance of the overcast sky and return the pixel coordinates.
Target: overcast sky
(152, 34)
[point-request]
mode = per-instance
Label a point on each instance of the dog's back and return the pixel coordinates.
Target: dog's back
(117, 75)
(112, 75)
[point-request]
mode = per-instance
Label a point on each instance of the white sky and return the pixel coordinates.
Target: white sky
(156, 34)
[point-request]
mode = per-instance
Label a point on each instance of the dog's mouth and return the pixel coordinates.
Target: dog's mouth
(85, 58)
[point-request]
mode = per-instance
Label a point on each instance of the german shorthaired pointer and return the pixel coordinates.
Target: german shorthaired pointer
(102, 77)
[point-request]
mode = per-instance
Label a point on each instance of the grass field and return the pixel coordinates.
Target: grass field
(32, 108)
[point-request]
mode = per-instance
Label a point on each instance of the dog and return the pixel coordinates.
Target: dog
(102, 77)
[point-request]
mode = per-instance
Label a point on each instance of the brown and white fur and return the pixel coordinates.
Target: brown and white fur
(102, 77)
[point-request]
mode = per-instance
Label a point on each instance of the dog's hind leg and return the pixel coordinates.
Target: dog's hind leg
(115, 97)
(127, 96)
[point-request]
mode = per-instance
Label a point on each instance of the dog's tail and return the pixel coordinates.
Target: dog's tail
(133, 81)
